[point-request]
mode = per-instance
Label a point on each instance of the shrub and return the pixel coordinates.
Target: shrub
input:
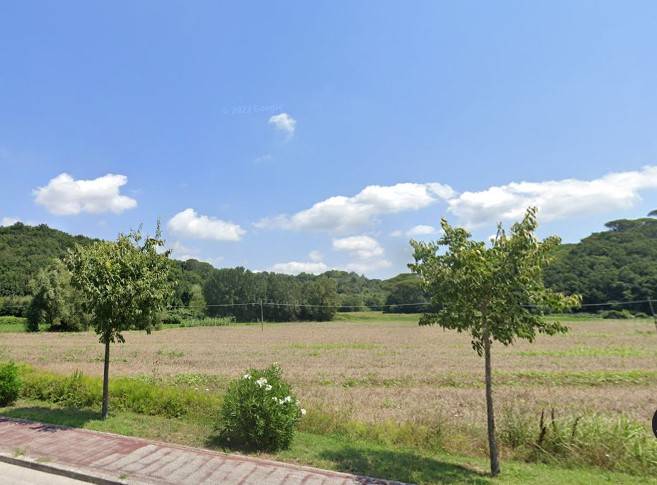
(10, 384)
(15, 306)
(259, 412)
(128, 394)
(617, 314)
(34, 317)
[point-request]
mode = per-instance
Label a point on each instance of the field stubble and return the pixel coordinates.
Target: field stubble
(379, 371)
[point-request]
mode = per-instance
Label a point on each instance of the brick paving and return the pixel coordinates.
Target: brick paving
(125, 459)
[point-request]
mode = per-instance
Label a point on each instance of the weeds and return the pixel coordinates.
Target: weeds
(127, 394)
(618, 444)
(207, 322)
(589, 352)
(611, 443)
(170, 354)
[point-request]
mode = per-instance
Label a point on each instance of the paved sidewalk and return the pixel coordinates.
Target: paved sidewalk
(110, 458)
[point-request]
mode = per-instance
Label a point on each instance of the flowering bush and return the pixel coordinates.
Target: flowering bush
(259, 411)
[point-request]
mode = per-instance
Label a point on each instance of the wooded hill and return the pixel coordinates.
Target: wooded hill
(618, 264)
(24, 250)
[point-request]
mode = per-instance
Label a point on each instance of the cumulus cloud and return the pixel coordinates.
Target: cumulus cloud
(192, 225)
(366, 250)
(555, 199)
(296, 267)
(284, 122)
(361, 246)
(66, 196)
(421, 230)
(342, 213)
(415, 231)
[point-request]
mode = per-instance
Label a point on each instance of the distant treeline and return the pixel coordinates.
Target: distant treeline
(619, 264)
(226, 292)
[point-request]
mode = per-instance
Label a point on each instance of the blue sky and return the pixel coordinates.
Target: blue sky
(313, 135)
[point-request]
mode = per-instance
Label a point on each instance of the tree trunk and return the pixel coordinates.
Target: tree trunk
(105, 410)
(492, 443)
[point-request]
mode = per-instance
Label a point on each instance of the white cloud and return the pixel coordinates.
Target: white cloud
(314, 266)
(284, 122)
(192, 225)
(363, 247)
(296, 267)
(366, 267)
(415, 231)
(182, 253)
(9, 221)
(421, 230)
(341, 213)
(555, 199)
(315, 256)
(367, 251)
(66, 196)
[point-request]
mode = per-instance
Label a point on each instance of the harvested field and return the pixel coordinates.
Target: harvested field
(387, 369)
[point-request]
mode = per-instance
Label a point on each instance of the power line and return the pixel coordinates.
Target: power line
(389, 305)
(649, 301)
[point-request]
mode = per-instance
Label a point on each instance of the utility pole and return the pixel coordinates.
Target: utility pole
(652, 310)
(262, 318)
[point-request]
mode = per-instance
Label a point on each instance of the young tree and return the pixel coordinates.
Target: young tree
(125, 284)
(494, 293)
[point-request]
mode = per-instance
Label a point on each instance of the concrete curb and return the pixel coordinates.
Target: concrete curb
(60, 470)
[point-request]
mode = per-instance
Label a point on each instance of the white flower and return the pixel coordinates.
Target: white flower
(303, 412)
(267, 387)
(261, 382)
(207, 389)
(247, 376)
(288, 399)
(275, 398)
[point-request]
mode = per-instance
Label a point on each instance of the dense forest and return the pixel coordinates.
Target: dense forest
(24, 250)
(28, 272)
(618, 264)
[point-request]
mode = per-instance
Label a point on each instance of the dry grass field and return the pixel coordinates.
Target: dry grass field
(387, 369)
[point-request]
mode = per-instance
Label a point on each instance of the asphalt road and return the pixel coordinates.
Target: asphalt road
(18, 475)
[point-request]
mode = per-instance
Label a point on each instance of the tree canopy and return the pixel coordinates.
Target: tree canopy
(619, 264)
(125, 285)
(494, 293)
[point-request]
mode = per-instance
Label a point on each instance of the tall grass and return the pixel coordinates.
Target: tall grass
(207, 322)
(126, 394)
(611, 443)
